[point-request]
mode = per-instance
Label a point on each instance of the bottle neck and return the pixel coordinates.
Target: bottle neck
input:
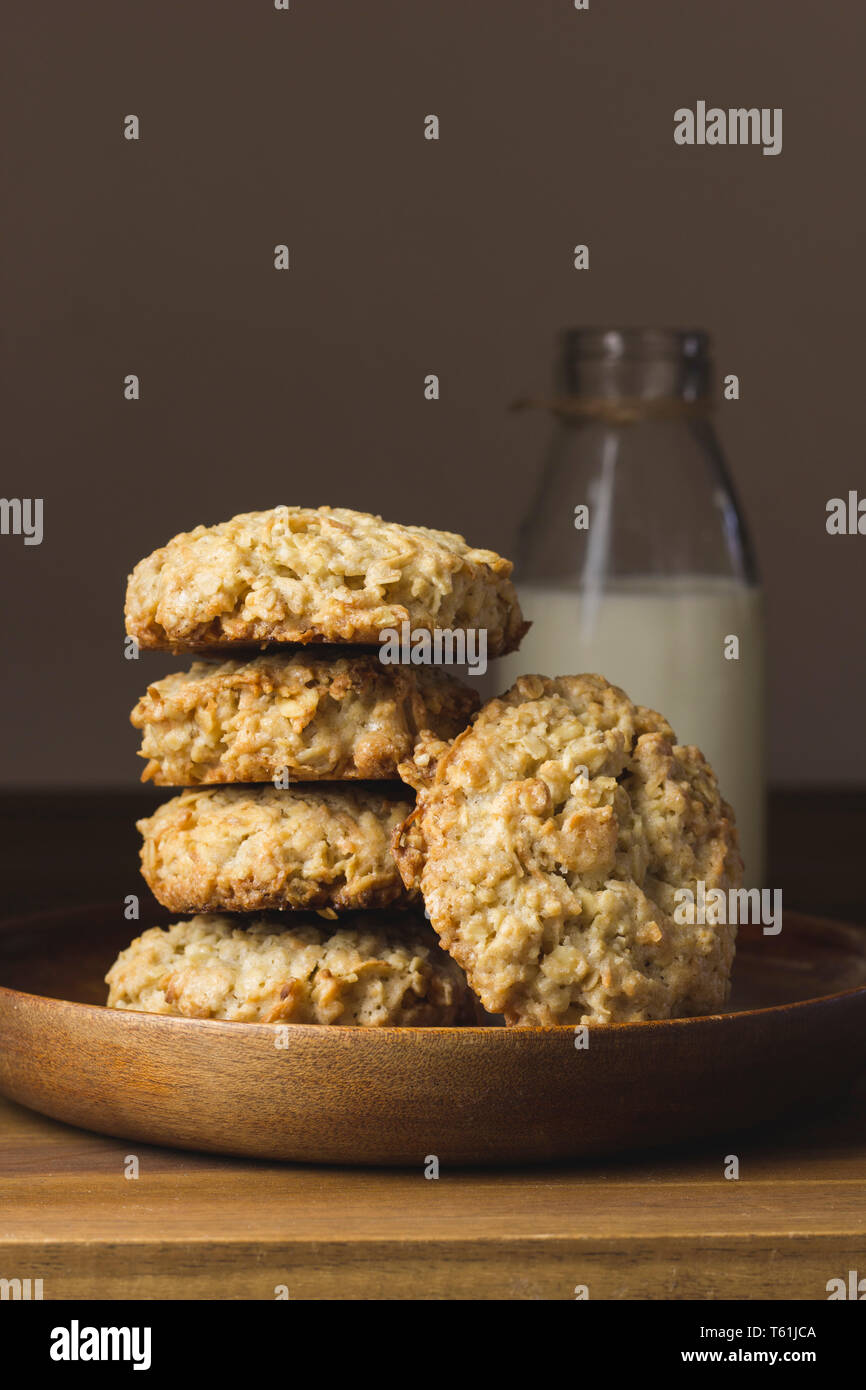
(669, 381)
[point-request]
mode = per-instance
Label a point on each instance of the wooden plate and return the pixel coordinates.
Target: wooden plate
(795, 1035)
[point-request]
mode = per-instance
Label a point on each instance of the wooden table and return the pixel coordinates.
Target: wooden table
(653, 1227)
(658, 1227)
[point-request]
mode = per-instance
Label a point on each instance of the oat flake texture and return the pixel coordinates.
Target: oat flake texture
(312, 715)
(368, 970)
(549, 841)
(299, 574)
(249, 849)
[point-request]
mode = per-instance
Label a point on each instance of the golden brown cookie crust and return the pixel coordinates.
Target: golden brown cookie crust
(326, 574)
(549, 842)
(251, 849)
(311, 716)
(369, 970)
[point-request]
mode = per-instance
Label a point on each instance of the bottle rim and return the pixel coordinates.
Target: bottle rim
(637, 363)
(636, 344)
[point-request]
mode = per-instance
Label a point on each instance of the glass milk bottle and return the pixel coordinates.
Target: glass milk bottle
(633, 560)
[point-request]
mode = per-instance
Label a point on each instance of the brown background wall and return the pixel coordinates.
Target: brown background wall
(408, 257)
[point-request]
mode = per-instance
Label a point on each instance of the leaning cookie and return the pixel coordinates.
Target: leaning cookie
(370, 970)
(299, 574)
(550, 841)
(249, 849)
(307, 715)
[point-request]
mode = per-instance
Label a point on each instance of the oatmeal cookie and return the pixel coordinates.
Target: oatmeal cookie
(369, 970)
(549, 842)
(300, 574)
(249, 849)
(315, 718)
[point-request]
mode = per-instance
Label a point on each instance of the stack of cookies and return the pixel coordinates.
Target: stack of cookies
(285, 735)
(559, 844)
